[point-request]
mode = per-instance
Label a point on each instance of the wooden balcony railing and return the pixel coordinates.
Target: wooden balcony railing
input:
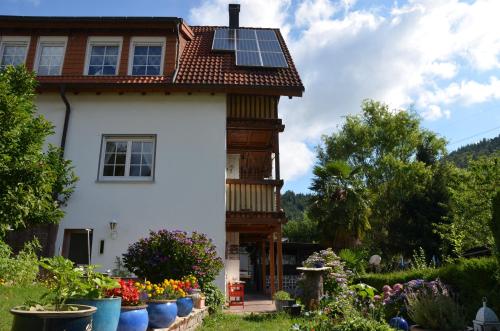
(253, 195)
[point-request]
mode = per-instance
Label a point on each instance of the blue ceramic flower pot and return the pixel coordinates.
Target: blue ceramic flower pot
(399, 323)
(162, 313)
(133, 318)
(107, 315)
(65, 320)
(184, 306)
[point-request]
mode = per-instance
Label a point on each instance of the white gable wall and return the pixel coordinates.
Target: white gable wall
(189, 188)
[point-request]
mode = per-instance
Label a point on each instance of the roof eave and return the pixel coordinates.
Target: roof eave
(162, 87)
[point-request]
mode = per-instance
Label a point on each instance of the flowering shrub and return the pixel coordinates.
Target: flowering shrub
(395, 297)
(337, 278)
(169, 289)
(174, 254)
(127, 291)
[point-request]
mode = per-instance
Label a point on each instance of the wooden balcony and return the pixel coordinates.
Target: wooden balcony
(250, 196)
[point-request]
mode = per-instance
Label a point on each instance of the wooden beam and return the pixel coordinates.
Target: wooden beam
(263, 261)
(277, 171)
(280, 261)
(272, 262)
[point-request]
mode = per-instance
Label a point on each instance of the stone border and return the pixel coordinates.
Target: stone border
(188, 323)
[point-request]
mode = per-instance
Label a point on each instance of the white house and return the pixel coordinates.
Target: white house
(168, 126)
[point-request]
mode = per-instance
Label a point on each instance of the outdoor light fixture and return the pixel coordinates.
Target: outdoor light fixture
(112, 227)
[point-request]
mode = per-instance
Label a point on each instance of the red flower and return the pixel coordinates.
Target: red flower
(127, 291)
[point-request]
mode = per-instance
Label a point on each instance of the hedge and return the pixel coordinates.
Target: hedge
(470, 279)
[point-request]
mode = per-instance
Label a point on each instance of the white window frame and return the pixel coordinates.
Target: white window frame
(51, 41)
(146, 41)
(103, 41)
(129, 139)
(15, 40)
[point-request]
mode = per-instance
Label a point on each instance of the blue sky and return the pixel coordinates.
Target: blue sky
(442, 57)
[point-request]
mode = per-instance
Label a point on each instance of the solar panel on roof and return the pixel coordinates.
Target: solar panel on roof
(269, 46)
(224, 44)
(275, 60)
(253, 47)
(250, 59)
(247, 45)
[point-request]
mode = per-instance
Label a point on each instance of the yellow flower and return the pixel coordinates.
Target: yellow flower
(149, 295)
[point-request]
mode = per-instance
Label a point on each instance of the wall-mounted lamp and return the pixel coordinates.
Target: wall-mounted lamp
(112, 226)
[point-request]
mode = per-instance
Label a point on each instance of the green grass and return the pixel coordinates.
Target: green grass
(253, 322)
(11, 296)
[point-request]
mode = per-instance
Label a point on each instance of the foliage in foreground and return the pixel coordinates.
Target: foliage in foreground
(232, 322)
(436, 312)
(21, 269)
(469, 279)
(173, 255)
(214, 298)
(12, 296)
(33, 184)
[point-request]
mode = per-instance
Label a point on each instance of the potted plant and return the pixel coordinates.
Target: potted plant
(133, 315)
(185, 304)
(52, 312)
(283, 299)
(93, 290)
(161, 301)
(435, 310)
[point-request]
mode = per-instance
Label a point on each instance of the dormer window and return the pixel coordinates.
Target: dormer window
(103, 56)
(13, 51)
(50, 55)
(147, 56)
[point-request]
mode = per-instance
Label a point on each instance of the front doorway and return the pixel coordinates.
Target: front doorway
(77, 245)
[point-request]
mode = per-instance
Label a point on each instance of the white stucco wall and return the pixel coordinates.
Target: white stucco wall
(188, 191)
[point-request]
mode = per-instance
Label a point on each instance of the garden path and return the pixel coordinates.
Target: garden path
(254, 303)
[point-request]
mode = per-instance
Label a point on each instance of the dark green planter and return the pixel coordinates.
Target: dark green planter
(79, 320)
(107, 315)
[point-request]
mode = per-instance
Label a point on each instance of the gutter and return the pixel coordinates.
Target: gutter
(66, 118)
(177, 51)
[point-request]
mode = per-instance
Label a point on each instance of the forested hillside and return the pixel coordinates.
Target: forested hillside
(294, 204)
(484, 147)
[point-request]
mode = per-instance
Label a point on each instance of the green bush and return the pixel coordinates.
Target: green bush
(435, 312)
(282, 295)
(354, 322)
(359, 323)
(470, 280)
(22, 269)
(214, 298)
(173, 255)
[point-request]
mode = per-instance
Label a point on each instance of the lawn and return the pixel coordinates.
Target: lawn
(13, 296)
(261, 322)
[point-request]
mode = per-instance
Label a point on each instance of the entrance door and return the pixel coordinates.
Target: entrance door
(77, 245)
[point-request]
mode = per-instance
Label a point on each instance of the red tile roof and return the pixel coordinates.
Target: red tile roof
(200, 66)
(118, 80)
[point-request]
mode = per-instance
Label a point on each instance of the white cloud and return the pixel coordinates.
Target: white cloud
(410, 54)
(434, 112)
(253, 13)
(466, 92)
(295, 159)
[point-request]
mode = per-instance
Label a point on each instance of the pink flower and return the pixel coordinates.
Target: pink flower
(386, 288)
(377, 297)
(397, 287)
